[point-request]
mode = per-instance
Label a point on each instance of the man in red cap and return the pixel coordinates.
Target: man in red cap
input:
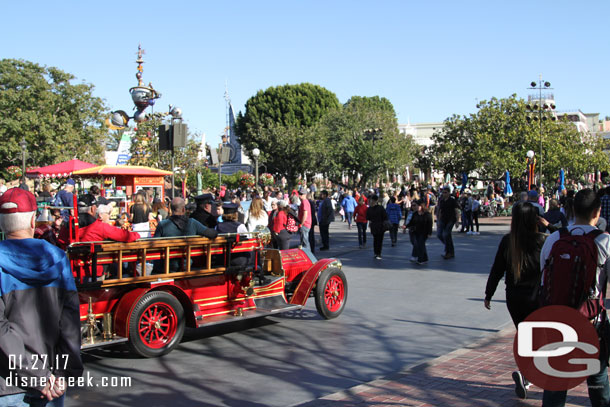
(39, 309)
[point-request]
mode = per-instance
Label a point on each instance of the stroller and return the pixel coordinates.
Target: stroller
(490, 210)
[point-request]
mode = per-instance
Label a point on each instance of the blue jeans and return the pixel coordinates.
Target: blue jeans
(394, 233)
(29, 399)
(361, 232)
(305, 237)
(349, 216)
(599, 391)
(443, 233)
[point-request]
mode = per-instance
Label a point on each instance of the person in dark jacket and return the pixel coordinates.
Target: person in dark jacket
(39, 309)
(555, 217)
(410, 213)
(376, 216)
(518, 260)
(178, 224)
(326, 215)
(230, 224)
(421, 225)
(204, 212)
(448, 213)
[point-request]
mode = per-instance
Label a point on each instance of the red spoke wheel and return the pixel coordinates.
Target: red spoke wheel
(156, 325)
(331, 293)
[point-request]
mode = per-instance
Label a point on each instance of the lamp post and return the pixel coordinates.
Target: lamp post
(255, 153)
(24, 147)
(538, 110)
(531, 165)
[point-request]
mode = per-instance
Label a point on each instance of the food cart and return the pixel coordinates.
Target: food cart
(121, 182)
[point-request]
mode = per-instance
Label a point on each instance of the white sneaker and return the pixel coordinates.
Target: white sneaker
(469, 233)
(413, 259)
(476, 233)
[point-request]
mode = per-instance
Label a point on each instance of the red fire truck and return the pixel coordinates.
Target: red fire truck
(149, 309)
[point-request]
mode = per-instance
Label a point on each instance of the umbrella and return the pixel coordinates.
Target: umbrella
(61, 170)
(508, 191)
(562, 180)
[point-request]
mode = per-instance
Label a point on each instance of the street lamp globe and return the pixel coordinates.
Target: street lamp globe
(256, 152)
(530, 154)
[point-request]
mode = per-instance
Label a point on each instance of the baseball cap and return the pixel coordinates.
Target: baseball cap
(303, 191)
(17, 200)
(86, 200)
(70, 181)
(532, 194)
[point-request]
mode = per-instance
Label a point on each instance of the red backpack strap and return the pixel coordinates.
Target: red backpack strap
(595, 233)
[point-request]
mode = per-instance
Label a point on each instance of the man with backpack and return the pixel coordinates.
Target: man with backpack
(583, 249)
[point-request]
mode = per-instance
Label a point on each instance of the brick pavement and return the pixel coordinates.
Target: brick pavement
(477, 375)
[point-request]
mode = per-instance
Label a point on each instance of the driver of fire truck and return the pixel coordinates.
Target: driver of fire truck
(178, 224)
(205, 211)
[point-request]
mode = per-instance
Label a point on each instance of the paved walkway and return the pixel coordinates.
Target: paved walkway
(477, 375)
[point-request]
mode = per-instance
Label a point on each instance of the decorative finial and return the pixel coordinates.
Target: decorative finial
(140, 61)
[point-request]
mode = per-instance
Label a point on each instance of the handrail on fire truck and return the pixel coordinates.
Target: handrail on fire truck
(195, 252)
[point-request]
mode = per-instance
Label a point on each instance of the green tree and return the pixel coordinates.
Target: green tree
(357, 149)
(498, 136)
(279, 121)
(59, 120)
(145, 145)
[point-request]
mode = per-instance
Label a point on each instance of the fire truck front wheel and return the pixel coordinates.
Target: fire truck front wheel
(156, 325)
(331, 293)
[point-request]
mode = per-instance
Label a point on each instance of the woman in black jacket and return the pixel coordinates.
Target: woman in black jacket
(518, 258)
(421, 225)
(376, 215)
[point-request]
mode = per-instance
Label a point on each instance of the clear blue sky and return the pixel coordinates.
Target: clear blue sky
(431, 59)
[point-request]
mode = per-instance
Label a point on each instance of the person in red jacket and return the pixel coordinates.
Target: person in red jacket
(361, 222)
(94, 230)
(282, 236)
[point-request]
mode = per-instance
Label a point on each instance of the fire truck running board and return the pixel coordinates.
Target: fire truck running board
(116, 340)
(265, 307)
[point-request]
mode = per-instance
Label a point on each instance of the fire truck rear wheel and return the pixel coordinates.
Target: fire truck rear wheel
(156, 325)
(331, 293)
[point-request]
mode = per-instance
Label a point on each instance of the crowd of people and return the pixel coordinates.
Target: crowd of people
(537, 224)
(296, 212)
